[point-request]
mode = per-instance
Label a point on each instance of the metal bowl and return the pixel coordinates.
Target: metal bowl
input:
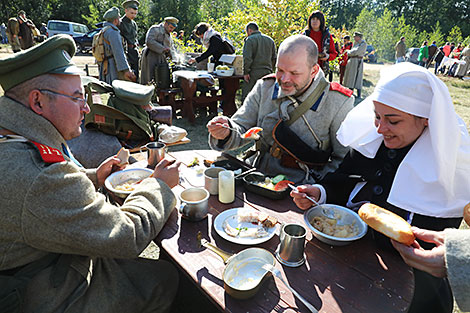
(121, 177)
(346, 217)
(251, 184)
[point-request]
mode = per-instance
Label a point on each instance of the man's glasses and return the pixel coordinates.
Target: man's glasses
(81, 101)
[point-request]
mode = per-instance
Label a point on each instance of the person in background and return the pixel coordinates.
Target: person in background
(423, 54)
(317, 30)
(401, 128)
(13, 30)
(259, 57)
(446, 49)
(3, 33)
(115, 65)
(400, 50)
(65, 247)
(159, 47)
(343, 59)
(26, 34)
(432, 50)
(311, 107)
(212, 41)
(180, 35)
(43, 29)
(463, 69)
(128, 28)
(449, 258)
(355, 66)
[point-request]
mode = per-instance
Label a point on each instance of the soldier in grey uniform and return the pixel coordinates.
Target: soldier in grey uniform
(115, 65)
(159, 47)
(355, 66)
(63, 246)
(259, 57)
(128, 28)
(275, 98)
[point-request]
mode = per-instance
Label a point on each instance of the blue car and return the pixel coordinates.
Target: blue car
(84, 42)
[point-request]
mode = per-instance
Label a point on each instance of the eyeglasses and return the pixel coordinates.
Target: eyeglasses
(81, 101)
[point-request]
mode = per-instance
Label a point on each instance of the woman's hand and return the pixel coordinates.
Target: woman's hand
(110, 165)
(303, 191)
(431, 261)
(191, 61)
(325, 58)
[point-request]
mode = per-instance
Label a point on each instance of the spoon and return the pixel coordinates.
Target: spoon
(328, 213)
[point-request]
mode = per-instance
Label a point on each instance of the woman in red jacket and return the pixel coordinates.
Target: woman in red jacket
(320, 34)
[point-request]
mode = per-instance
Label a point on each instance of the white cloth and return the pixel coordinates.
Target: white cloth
(207, 36)
(434, 177)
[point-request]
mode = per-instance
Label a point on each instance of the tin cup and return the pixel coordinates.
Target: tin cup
(291, 249)
(155, 153)
(211, 179)
(194, 204)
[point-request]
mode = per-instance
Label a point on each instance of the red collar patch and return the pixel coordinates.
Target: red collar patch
(340, 88)
(48, 154)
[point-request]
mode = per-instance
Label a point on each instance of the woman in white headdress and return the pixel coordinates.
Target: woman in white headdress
(411, 155)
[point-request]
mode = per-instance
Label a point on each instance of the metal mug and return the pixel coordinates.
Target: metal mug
(211, 179)
(291, 249)
(155, 153)
(194, 204)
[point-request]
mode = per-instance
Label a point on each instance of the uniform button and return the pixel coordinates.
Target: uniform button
(378, 173)
(378, 190)
(387, 167)
(392, 154)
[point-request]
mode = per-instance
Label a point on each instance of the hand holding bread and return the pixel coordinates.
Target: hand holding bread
(387, 223)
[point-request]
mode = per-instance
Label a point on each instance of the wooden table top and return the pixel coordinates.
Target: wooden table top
(355, 278)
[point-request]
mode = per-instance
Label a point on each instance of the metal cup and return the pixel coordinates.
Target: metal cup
(211, 179)
(194, 204)
(291, 249)
(155, 153)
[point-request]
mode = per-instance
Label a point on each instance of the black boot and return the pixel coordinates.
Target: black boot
(358, 93)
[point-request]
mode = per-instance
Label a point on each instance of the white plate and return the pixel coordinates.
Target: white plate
(231, 216)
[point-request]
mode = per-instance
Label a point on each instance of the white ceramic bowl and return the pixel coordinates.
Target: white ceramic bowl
(228, 72)
(346, 216)
(121, 177)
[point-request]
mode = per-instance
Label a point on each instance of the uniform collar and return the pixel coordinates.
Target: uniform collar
(111, 25)
(17, 118)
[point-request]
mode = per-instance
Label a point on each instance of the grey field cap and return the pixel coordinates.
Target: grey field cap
(132, 92)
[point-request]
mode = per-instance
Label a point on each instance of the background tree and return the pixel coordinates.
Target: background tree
(455, 35)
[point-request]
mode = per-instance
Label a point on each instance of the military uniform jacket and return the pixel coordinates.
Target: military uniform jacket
(355, 66)
(128, 29)
(259, 53)
(266, 104)
(55, 208)
(117, 61)
(157, 39)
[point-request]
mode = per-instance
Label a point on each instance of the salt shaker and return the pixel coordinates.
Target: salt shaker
(226, 187)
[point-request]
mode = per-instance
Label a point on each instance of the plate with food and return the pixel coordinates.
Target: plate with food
(344, 228)
(245, 226)
(123, 183)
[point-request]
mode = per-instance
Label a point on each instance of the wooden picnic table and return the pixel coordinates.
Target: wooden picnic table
(355, 278)
(228, 85)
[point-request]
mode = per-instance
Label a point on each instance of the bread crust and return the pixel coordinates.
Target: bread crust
(466, 214)
(387, 223)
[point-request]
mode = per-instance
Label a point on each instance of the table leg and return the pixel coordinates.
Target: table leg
(189, 88)
(231, 85)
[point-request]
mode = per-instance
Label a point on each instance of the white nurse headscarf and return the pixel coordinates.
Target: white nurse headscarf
(434, 177)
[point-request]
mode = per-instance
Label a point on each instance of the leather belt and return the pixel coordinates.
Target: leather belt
(131, 46)
(355, 57)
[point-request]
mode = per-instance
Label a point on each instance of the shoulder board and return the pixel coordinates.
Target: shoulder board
(49, 154)
(269, 76)
(340, 88)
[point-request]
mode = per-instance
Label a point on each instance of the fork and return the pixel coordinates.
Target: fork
(277, 273)
(327, 213)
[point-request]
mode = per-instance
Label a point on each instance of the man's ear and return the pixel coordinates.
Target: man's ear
(315, 70)
(34, 101)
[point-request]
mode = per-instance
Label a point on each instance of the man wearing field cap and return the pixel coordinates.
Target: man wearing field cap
(63, 246)
(355, 67)
(159, 47)
(128, 28)
(115, 64)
